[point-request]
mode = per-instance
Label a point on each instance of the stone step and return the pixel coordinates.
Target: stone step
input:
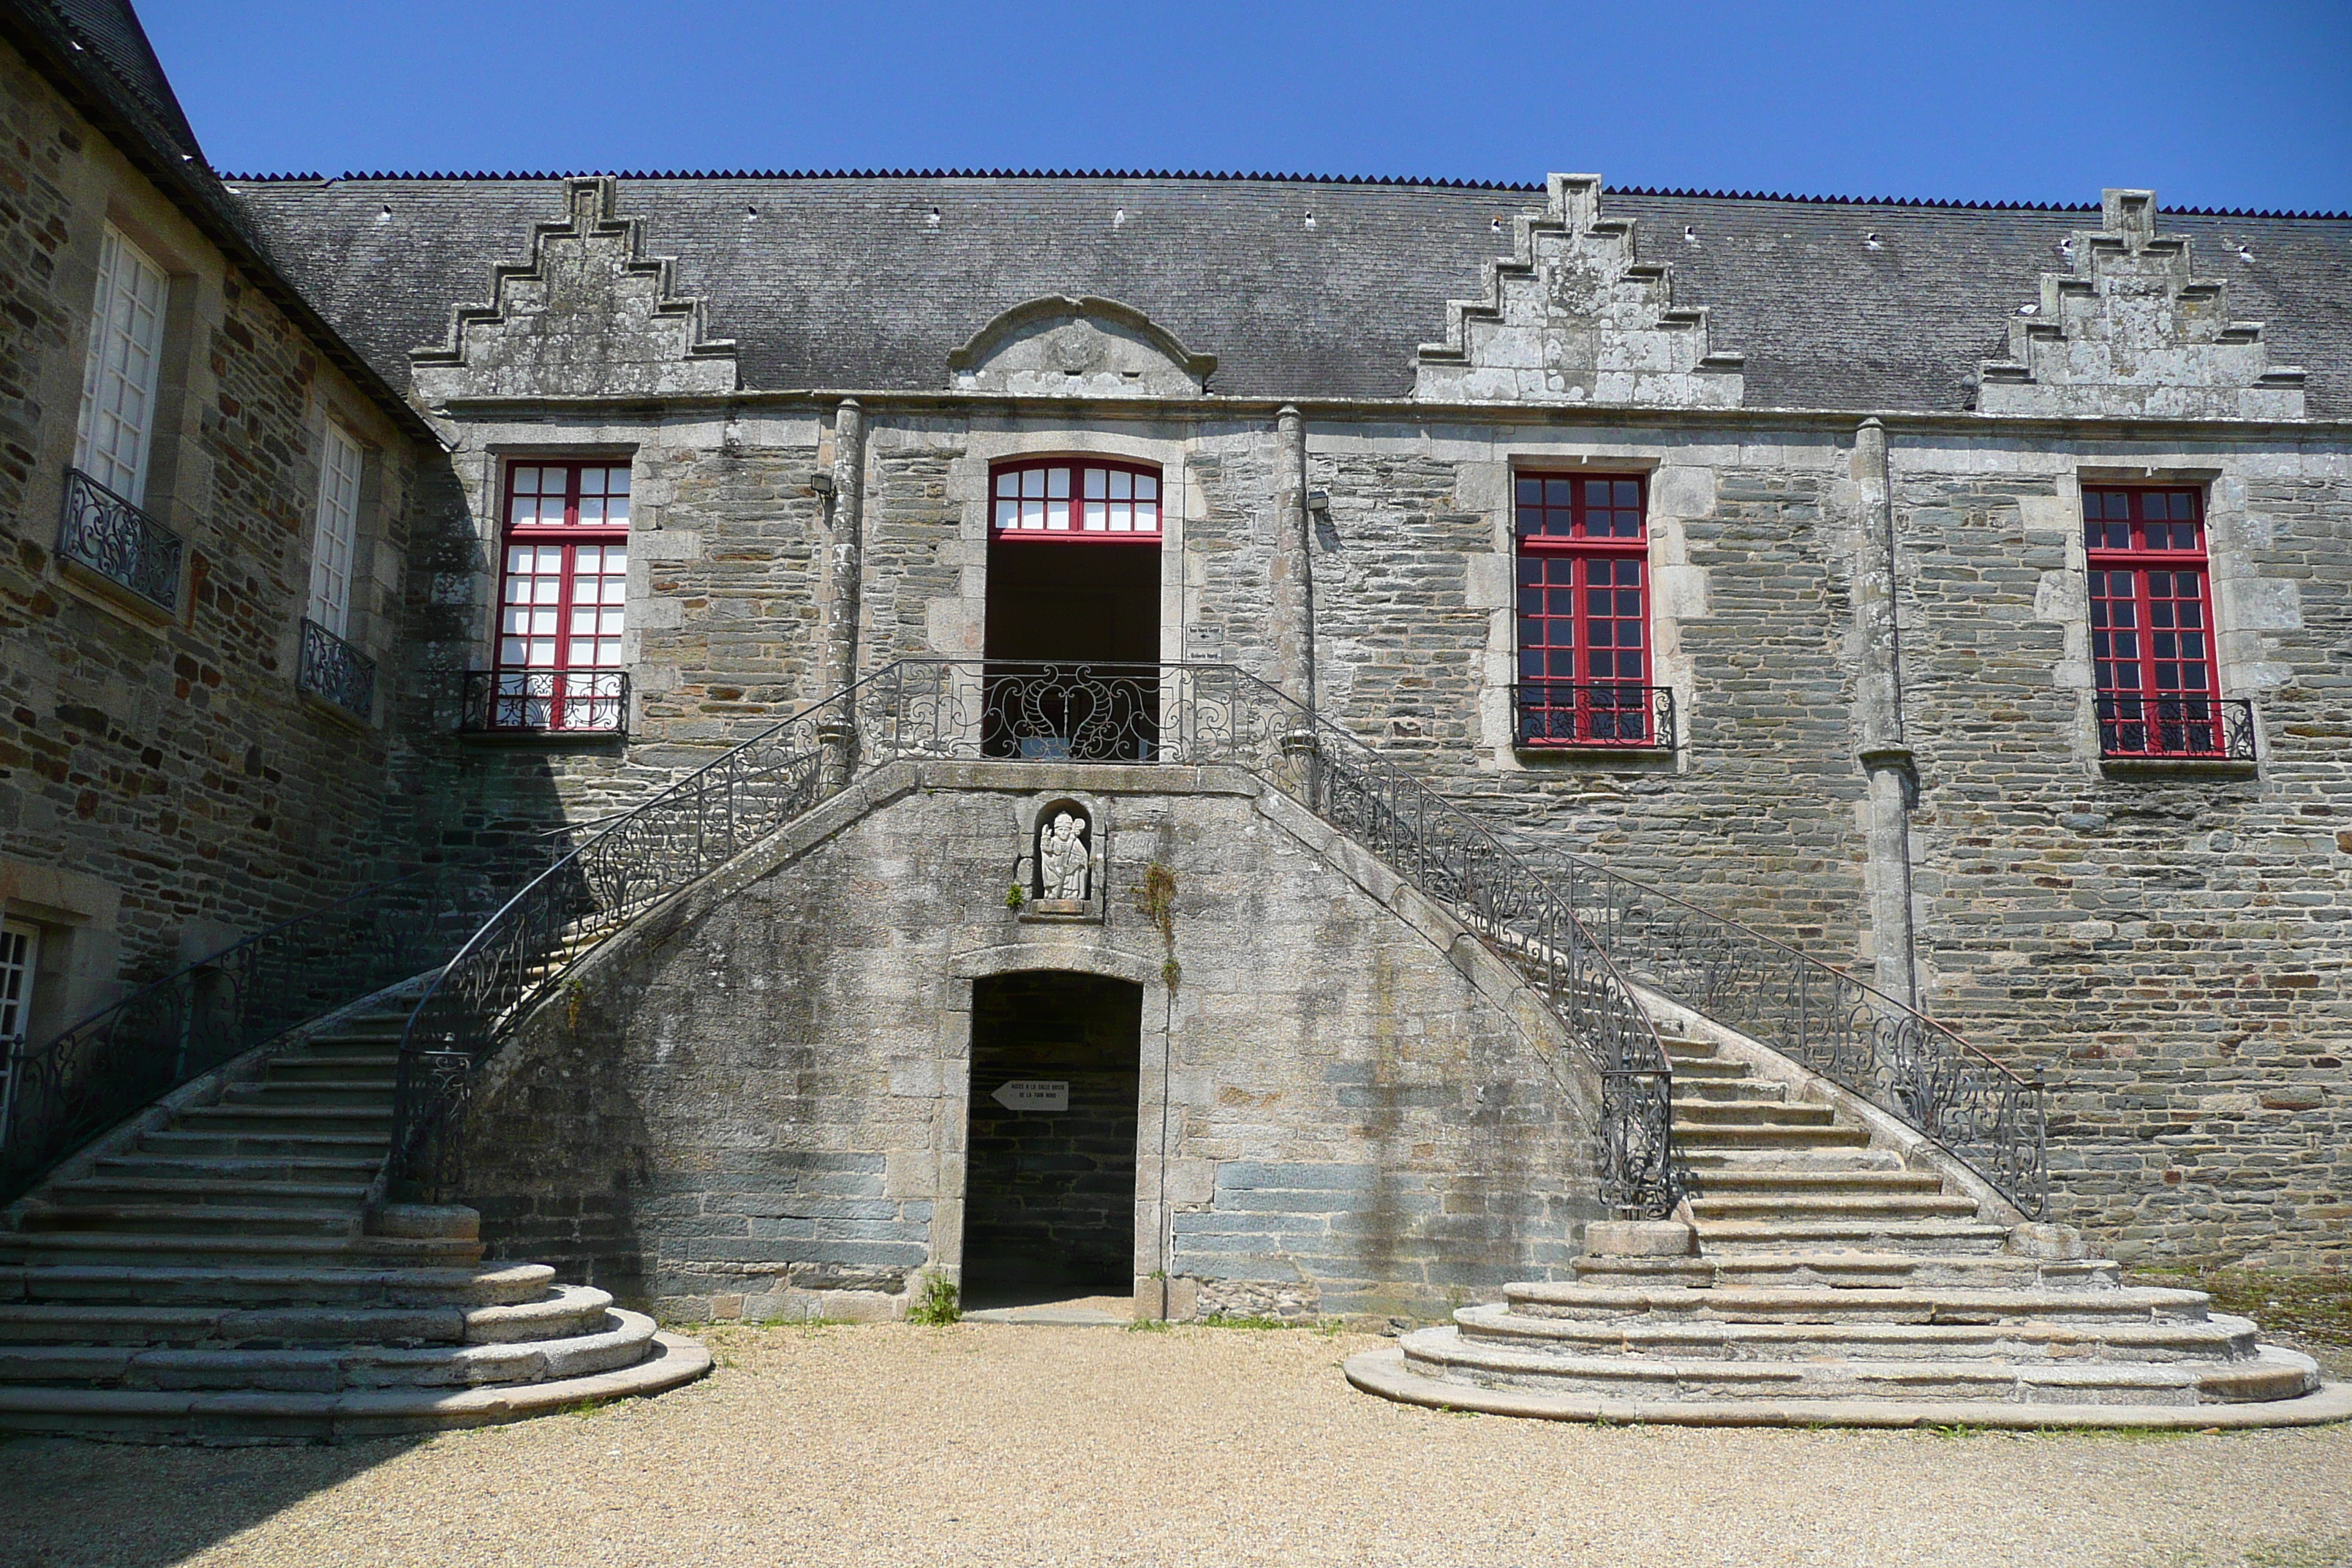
(621, 1340)
(368, 1067)
(1732, 1181)
(1945, 1236)
(1749, 1111)
(1680, 1050)
(1686, 1069)
(1727, 1089)
(263, 1285)
(2213, 1339)
(109, 1189)
(1708, 1135)
(143, 1167)
(669, 1360)
(203, 1251)
(1901, 1301)
(569, 1310)
(2272, 1374)
(192, 1220)
(1853, 1271)
(230, 1144)
(1805, 1206)
(1794, 1157)
(304, 1120)
(358, 1094)
(352, 1048)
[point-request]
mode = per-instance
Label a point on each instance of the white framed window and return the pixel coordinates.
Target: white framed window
(20, 953)
(337, 532)
(119, 384)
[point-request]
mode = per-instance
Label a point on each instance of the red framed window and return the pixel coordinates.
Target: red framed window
(1065, 498)
(2160, 691)
(563, 598)
(1584, 611)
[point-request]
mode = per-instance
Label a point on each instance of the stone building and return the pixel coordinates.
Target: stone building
(1959, 595)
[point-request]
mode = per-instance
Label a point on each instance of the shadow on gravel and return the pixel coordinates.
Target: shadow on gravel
(70, 1504)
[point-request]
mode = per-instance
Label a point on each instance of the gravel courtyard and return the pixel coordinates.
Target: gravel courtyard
(999, 1445)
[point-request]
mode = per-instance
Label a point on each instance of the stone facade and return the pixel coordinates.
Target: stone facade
(164, 785)
(1341, 1096)
(1867, 600)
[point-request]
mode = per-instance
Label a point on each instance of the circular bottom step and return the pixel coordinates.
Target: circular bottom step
(1384, 1372)
(238, 1418)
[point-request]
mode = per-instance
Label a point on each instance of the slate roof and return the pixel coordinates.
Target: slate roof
(844, 282)
(95, 53)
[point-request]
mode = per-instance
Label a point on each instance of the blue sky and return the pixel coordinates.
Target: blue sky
(2216, 104)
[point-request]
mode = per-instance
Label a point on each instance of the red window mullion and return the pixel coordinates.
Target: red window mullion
(1571, 529)
(517, 699)
(2149, 718)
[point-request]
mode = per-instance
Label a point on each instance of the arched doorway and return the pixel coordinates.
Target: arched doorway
(1073, 626)
(1050, 1152)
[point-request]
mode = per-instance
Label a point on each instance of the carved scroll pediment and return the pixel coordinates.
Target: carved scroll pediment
(1060, 346)
(2132, 332)
(589, 313)
(1573, 315)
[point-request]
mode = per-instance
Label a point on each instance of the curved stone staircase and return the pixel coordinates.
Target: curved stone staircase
(214, 1278)
(1817, 1276)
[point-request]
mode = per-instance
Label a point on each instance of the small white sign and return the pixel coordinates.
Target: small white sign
(1033, 1094)
(1204, 645)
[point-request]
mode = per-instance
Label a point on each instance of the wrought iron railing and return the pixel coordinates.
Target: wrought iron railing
(2218, 729)
(951, 709)
(65, 1090)
(334, 670)
(109, 534)
(1608, 713)
(545, 702)
(1980, 1108)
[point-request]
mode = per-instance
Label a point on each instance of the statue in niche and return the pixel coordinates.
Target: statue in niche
(1064, 860)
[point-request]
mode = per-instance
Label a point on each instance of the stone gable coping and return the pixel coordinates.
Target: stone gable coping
(1574, 316)
(590, 314)
(2132, 331)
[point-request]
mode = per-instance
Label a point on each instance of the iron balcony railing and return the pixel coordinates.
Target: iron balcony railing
(109, 534)
(1980, 1108)
(1606, 714)
(545, 702)
(332, 669)
(953, 709)
(63, 1090)
(2219, 729)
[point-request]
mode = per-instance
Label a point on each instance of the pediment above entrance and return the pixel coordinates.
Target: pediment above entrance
(1065, 346)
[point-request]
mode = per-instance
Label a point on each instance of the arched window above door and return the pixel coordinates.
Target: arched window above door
(1065, 498)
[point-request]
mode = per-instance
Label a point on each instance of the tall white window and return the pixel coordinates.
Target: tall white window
(338, 527)
(118, 387)
(20, 950)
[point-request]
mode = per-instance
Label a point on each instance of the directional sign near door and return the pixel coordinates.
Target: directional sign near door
(1033, 1094)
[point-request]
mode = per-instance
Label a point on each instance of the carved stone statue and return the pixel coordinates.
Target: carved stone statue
(1064, 859)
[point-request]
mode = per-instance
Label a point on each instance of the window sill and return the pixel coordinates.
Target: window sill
(97, 589)
(1625, 759)
(2180, 767)
(557, 738)
(333, 712)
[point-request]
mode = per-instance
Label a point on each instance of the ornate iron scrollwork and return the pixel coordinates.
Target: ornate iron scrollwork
(109, 534)
(334, 670)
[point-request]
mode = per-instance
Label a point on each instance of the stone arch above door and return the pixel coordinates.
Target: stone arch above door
(1066, 346)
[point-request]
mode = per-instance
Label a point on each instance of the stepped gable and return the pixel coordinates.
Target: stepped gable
(1574, 315)
(2132, 331)
(589, 313)
(1822, 1271)
(847, 282)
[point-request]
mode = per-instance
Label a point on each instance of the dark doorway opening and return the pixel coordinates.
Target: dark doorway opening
(1049, 1183)
(1073, 645)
